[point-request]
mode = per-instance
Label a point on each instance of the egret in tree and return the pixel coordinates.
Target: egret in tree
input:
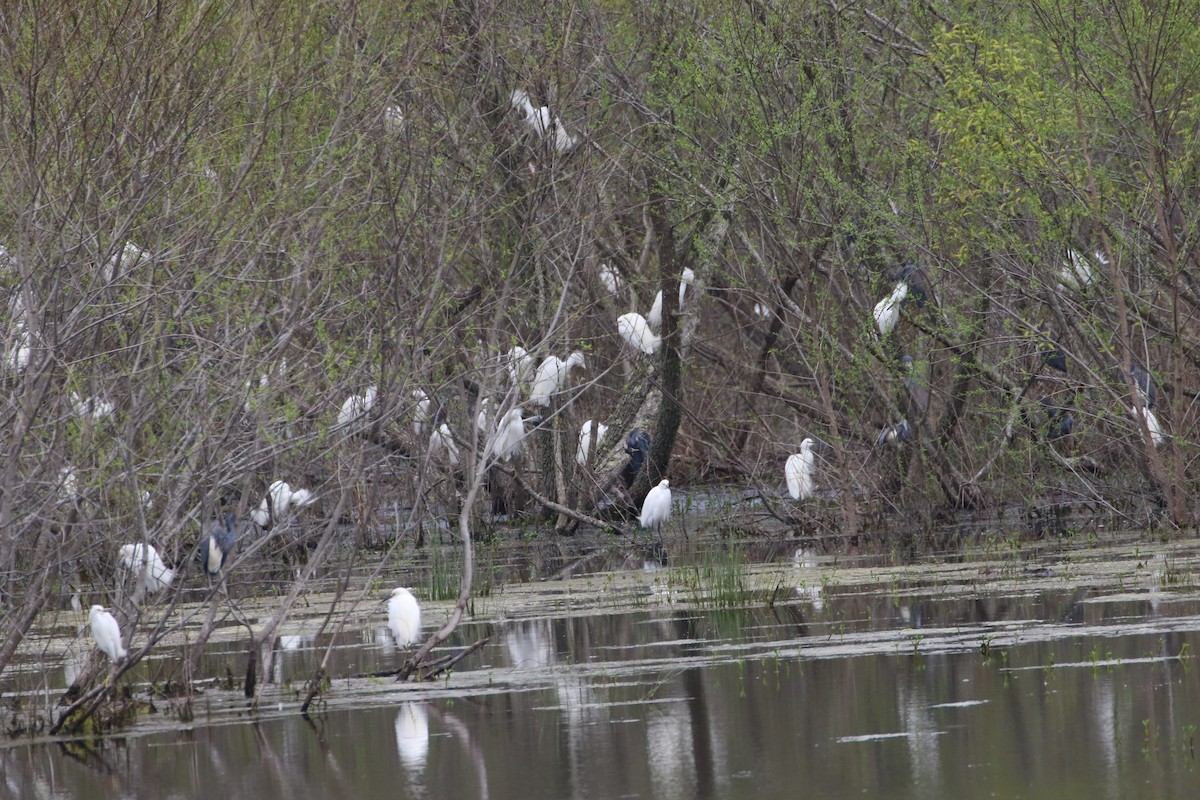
(585, 440)
(356, 407)
(281, 498)
(655, 316)
(510, 433)
(542, 123)
(421, 414)
(218, 543)
(481, 416)
(122, 261)
(1156, 433)
(798, 471)
(896, 435)
(1144, 385)
(1077, 273)
(93, 408)
(520, 366)
(656, 508)
(611, 279)
(106, 633)
(762, 311)
(887, 310)
(637, 447)
(404, 617)
(637, 334)
(393, 119)
(551, 377)
(442, 441)
(145, 561)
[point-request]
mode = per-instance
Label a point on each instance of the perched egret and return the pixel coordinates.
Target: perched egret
(799, 472)
(280, 498)
(510, 433)
(1156, 434)
(542, 123)
(404, 617)
(393, 119)
(217, 544)
(896, 434)
(356, 407)
(563, 141)
(887, 310)
(1077, 273)
(637, 447)
(520, 366)
(93, 408)
(442, 441)
(421, 413)
(481, 416)
(551, 377)
(637, 334)
(106, 633)
(656, 508)
(585, 440)
(68, 484)
(762, 311)
(21, 352)
(122, 261)
(655, 316)
(144, 560)
(1145, 385)
(611, 279)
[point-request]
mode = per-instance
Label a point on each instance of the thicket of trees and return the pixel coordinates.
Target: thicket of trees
(330, 196)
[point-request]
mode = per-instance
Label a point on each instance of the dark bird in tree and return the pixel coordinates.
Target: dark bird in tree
(918, 284)
(217, 543)
(918, 392)
(1060, 422)
(637, 447)
(1144, 384)
(896, 434)
(1052, 353)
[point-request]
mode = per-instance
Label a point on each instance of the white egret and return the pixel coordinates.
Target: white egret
(218, 543)
(106, 633)
(520, 366)
(481, 416)
(22, 350)
(421, 414)
(144, 560)
(799, 472)
(122, 261)
(1077, 273)
(1144, 385)
(393, 119)
(611, 279)
(1156, 434)
(68, 484)
(404, 617)
(637, 334)
(656, 508)
(538, 119)
(887, 310)
(551, 376)
(510, 433)
(585, 440)
(356, 407)
(442, 441)
(762, 311)
(655, 315)
(93, 408)
(280, 498)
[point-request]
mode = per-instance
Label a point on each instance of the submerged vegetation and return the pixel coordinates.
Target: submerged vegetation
(337, 244)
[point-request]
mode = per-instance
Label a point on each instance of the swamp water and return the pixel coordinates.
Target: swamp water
(1070, 674)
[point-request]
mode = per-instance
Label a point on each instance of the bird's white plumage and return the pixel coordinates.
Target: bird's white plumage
(421, 413)
(412, 735)
(122, 261)
(585, 440)
(1077, 272)
(552, 374)
(611, 279)
(686, 279)
(106, 633)
(442, 441)
(637, 334)
(1156, 433)
(281, 497)
(762, 311)
(656, 508)
(145, 561)
(799, 472)
(509, 434)
(356, 407)
(481, 416)
(655, 316)
(520, 366)
(215, 556)
(887, 310)
(393, 119)
(404, 617)
(93, 408)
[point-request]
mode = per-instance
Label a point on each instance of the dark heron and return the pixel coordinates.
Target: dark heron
(1060, 422)
(918, 392)
(637, 447)
(1145, 385)
(918, 284)
(896, 434)
(1052, 353)
(217, 544)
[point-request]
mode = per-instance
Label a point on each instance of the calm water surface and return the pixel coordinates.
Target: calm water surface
(916, 689)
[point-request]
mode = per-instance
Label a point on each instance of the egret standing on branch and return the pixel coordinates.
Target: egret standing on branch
(280, 498)
(510, 433)
(552, 375)
(654, 318)
(106, 633)
(144, 560)
(585, 440)
(798, 471)
(637, 334)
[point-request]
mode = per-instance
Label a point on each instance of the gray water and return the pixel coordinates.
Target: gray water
(989, 679)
